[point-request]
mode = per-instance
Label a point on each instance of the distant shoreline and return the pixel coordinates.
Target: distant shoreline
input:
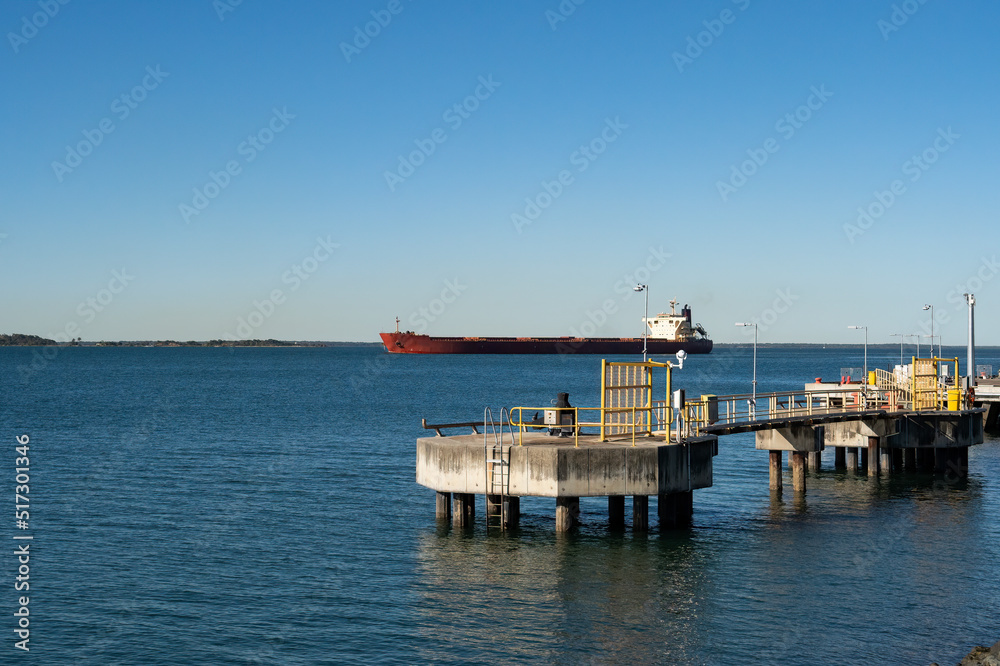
(22, 340)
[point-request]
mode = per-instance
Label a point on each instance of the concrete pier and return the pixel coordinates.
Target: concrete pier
(852, 459)
(547, 466)
(567, 513)
(873, 457)
(815, 461)
(463, 511)
(442, 507)
(840, 459)
(675, 509)
(616, 512)
(640, 513)
(798, 465)
(774, 470)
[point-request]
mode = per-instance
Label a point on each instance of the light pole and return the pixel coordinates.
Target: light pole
(931, 308)
(645, 317)
(901, 336)
(866, 351)
(753, 399)
(970, 359)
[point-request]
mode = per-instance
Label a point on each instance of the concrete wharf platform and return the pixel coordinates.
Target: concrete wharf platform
(460, 467)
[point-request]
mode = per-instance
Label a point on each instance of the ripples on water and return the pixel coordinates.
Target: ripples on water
(257, 506)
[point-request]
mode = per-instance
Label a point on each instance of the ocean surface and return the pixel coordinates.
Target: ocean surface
(258, 506)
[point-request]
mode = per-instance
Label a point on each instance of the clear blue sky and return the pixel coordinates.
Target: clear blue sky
(312, 119)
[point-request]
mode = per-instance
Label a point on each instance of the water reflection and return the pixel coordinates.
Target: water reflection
(567, 597)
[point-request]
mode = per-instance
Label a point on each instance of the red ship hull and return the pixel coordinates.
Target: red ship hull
(413, 343)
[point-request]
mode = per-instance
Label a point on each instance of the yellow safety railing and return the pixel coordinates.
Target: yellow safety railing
(927, 387)
(627, 398)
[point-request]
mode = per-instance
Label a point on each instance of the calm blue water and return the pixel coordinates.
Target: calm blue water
(257, 506)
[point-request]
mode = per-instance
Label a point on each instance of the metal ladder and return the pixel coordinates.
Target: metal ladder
(497, 465)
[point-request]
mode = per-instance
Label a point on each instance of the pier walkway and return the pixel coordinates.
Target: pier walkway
(638, 446)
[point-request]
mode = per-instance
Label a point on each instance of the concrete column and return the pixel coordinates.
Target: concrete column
(511, 515)
(567, 513)
(885, 461)
(640, 513)
(774, 467)
(815, 461)
(864, 458)
(963, 460)
(852, 459)
(463, 512)
(442, 506)
(873, 456)
(798, 464)
(675, 509)
(840, 459)
(616, 512)
(910, 460)
(897, 460)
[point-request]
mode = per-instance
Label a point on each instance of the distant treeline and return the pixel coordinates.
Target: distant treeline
(20, 339)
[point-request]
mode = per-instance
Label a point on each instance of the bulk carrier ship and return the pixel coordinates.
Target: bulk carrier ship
(667, 333)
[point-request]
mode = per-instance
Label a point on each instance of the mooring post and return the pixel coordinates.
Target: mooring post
(840, 459)
(442, 506)
(463, 512)
(567, 513)
(774, 468)
(798, 463)
(616, 512)
(873, 456)
(852, 460)
(640, 513)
